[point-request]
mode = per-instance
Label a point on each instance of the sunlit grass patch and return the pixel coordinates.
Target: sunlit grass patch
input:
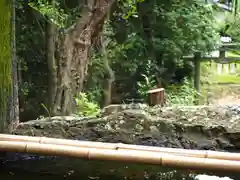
(226, 79)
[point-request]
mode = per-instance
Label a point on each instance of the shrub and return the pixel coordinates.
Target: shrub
(84, 107)
(181, 94)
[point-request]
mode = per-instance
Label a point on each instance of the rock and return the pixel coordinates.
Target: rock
(206, 177)
(198, 127)
(195, 127)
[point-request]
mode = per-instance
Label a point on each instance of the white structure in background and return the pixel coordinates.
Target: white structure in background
(224, 68)
(226, 39)
(219, 68)
(206, 177)
(233, 68)
(227, 69)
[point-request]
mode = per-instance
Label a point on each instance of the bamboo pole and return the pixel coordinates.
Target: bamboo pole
(131, 156)
(120, 146)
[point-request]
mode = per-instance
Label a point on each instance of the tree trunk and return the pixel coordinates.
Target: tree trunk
(5, 64)
(110, 77)
(52, 66)
(73, 50)
(14, 105)
(107, 92)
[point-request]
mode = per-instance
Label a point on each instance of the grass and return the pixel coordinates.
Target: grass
(214, 85)
(226, 79)
(209, 74)
(232, 54)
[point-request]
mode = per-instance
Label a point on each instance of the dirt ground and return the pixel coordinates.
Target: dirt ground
(224, 94)
(228, 100)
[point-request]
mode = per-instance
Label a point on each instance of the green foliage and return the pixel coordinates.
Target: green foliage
(181, 94)
(178, 27)
(130, 8)
(124, 60)
(84, 107)
(144, 87)
(58, 13)
(148, 82)
(31, 49)
(228, 22)
(46, 109)
(208, 70)
(51, 10)
(233, 28)
(186, 26)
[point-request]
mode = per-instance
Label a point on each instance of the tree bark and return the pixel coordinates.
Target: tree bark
(14, 105)
(73, 49)
(110, 77)
(52, 66)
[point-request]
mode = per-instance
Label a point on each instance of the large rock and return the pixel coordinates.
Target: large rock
(196, 127)
(216, 128)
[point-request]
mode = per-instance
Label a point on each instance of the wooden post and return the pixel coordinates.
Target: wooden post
(156, 96)
(197, 59)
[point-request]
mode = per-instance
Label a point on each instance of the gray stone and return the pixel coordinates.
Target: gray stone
(195, 127)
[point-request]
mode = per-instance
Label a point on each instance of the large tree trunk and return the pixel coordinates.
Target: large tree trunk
(52, 66)
(73, 49)
(14, 103)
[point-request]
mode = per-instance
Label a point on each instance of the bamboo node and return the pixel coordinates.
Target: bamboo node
(118, 146)
(206, 154)
(41, 140)
(89, 154)
(161, 161)
(26, 147)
